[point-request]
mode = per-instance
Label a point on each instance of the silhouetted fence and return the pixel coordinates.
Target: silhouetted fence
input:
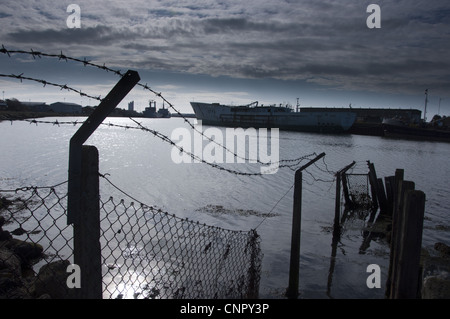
(149, 253)
(145, 252)
(36, 244)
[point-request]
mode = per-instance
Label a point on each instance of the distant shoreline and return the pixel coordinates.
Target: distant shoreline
(24, 115)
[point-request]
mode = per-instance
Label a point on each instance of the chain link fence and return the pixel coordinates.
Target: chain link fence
(146, 253)
(36, 244)
(153, 254)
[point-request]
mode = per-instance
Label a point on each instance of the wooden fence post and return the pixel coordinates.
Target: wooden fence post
(340, 177)
(395, 246)
(292, 292)
(337, 203)
(407, 281)
(87, 252)
(382, 201)
(294, 266)
(373, 185)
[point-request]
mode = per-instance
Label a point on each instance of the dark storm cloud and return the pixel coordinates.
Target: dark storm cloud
(321, 41)
(101, 35)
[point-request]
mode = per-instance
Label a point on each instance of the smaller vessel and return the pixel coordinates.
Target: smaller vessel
(401, 127)
(152, 112)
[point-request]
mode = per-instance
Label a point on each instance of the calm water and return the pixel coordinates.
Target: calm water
(141, 165)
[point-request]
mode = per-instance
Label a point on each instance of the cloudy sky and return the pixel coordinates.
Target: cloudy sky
(235, 51)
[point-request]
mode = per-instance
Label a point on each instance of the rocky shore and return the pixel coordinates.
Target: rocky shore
(436, 272)
(18, 280)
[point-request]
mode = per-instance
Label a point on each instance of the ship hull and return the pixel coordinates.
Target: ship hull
(273, 117)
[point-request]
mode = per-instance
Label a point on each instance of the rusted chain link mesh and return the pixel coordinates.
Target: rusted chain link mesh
(146, 253)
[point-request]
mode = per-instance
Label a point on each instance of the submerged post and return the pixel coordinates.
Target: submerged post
(292, 291)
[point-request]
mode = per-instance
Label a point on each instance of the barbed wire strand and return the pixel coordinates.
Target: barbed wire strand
(27, 188)
(85, 62)
(21, 77)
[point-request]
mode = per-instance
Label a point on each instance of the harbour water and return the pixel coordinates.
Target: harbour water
(142, 165)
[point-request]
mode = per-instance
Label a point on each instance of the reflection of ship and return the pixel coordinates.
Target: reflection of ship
(151, 111)
(282, 117)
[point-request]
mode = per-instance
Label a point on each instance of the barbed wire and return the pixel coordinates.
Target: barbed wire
(60, 56)
(283, 163)
(27, 188)
(145, 86)
(291, 163)
(21, 77)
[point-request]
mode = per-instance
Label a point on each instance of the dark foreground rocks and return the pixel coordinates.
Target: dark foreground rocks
(18, 280)
(436, 273)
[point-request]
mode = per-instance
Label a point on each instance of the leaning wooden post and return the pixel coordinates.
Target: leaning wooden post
(87, 251)
(292, 291)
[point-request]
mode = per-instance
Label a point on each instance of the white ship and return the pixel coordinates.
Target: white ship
(282, 117)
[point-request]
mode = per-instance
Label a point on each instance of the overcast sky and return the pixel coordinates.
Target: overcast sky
(273, 51)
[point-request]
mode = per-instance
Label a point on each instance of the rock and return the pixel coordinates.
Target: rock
(436, 275)
(10, 288)
(11, 284)
(442, 248)
(25, 250)
(2, 220)
(10, 262)
(5, 235)
(52, 280)
(4, 203)
(19, 231)
(436, 287)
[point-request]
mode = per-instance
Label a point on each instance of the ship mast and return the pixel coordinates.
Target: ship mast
(426, 102)
(298, 106)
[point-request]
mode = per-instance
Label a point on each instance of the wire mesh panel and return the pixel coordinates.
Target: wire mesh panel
(152, 254)
(358, 189)
(35, 243)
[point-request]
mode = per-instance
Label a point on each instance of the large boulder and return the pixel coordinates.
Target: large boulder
(26, 251)
(436, 274)
(52, 281)
(11, 284)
